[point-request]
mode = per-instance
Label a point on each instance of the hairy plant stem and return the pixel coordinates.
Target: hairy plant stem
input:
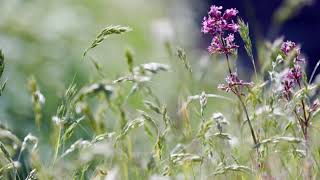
(238, 94)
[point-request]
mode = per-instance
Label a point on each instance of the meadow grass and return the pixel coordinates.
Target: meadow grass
(121, 128)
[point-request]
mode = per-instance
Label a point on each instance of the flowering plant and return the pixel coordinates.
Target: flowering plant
(217, 24)
(294, 89)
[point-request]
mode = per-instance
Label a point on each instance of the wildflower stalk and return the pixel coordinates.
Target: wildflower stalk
(292, 78)
(236, 92)
(239, 97)
(305, 123)
(217, 23)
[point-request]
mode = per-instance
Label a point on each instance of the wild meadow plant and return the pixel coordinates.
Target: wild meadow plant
(295, 88)
(120, 128)
(217, 24)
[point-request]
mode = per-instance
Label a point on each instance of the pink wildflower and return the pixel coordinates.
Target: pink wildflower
(217, 24)
(234, 82)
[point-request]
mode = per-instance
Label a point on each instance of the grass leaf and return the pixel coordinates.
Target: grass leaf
(129, 57)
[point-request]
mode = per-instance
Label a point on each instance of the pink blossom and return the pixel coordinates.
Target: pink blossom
(290, 80)
(233, 82)
(230, 42)
(230, 13)
(216, 46)
(215, 11)
(212, 26)
(232, 27)
(288, 85)
(295, 73)
(287, 47)
(226, 46)
(217, 25)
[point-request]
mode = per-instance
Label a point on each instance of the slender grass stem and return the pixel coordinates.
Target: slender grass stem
(254, 66)
(57, 146)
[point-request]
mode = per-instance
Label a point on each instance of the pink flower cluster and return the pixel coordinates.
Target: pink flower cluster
(294, 74)
(234, 84)
(222, 48)
(291, 47)
(216, 24)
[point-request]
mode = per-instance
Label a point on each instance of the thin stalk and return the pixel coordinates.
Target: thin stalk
(57, 145)
(305, 125)
(255, 141)
(254, 66)
(300, 120)
(306, 118)
(314, 71)
(228, 62)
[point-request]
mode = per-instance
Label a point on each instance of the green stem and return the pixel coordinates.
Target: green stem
(244, 108)
(57, 145)
(255, 141)
(306, 119)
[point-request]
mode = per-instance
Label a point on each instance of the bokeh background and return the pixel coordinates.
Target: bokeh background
(46, 39)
